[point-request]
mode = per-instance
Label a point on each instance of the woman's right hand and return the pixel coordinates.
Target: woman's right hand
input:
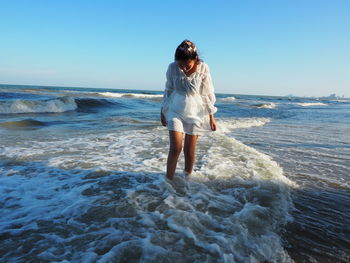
(162, 119)
(212, 122)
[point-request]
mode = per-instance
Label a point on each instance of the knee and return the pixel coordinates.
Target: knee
(188, 151)
(175, 150)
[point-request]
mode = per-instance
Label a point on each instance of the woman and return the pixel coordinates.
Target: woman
(187, 105)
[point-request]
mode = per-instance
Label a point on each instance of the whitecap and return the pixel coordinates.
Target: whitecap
(131, 95)
(307, 104)
(60, 104)
(227, 99)
(228, 124)
(269, 105)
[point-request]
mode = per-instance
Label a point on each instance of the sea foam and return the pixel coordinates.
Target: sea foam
(228, 124)
(131, 95)
(269, 105)
(231, 209)
(227, 99)
(60, 104)
(307, 104)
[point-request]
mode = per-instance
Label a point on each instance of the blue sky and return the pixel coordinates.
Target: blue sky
(252, 47)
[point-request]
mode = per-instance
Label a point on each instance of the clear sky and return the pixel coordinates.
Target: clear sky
(299, 47)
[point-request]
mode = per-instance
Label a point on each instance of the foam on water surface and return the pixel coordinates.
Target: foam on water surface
(227, 99)
(60, 104)
(131, 95)
(270, 105)
(308, 104)
(115, 203)
(95, 174)
(228, 124)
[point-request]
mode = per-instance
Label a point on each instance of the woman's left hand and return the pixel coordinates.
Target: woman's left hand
(212, 122)
(163, 119)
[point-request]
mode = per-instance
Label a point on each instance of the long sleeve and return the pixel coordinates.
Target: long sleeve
(207, 92)
(168, 90)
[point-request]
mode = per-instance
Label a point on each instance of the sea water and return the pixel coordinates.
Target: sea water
(82, 179)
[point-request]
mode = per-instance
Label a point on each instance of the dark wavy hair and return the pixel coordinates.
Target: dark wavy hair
(187, 50)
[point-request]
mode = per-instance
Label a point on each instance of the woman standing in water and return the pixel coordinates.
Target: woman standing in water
(187, 105)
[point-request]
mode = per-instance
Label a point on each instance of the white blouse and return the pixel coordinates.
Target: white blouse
(190, 98)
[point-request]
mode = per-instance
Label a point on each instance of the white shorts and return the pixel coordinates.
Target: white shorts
(177, 124)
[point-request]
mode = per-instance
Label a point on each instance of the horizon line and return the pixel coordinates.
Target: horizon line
(233, 94)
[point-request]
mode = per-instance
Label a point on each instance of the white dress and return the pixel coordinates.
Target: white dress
(188, 101)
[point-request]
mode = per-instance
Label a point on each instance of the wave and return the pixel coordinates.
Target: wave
(227, 99)
(132, 121)
(269, 105)
(231, 209)
(61, 104)
(227, 125)
(131, 95)
(27, 123)
(90, 103)
(307, 104)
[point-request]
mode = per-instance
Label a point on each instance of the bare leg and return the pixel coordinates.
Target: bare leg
(174, 152)
(189, 151)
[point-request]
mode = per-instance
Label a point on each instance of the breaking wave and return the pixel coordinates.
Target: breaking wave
(227, 99)
(60, 104)
(307, 104)
(115, 203)
(131, 95)
(270, 105)
(227, 125)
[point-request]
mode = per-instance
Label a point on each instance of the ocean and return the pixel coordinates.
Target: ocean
(82, 179)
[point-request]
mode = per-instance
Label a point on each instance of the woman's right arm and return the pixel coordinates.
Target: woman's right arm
(167, 92)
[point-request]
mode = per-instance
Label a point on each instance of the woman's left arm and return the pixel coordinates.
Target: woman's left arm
(212, 122)
(207, 92)
(209, 98)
